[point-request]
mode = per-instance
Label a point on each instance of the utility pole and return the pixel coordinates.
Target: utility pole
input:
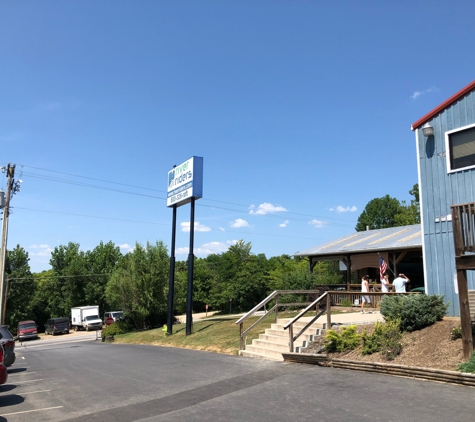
(11, 189)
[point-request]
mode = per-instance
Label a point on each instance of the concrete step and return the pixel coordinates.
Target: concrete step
(264, 352)
(249, 354)
(280, 347)
(274, 339)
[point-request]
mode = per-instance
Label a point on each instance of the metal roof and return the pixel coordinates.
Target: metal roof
(394, 238)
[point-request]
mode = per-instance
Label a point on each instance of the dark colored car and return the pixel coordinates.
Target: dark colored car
(27, 330)
(8, 343)
(57, 325)
(3, 369)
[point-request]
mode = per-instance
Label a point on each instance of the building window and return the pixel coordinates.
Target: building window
(460, 145)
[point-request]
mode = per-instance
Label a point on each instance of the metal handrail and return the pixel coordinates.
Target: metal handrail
(275, 294)
(327, 309)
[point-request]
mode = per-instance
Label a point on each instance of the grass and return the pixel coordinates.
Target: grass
(217, 334)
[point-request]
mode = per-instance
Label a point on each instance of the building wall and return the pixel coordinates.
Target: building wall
(438, 191)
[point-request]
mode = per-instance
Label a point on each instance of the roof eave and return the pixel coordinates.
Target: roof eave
(470, 87)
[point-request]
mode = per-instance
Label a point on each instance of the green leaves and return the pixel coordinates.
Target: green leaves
(385, 212)
(414, 311)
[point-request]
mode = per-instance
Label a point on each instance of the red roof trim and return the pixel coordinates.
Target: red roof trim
(444, 105)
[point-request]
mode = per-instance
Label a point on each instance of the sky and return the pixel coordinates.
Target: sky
(300, 109)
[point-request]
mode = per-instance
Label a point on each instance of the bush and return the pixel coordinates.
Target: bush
(414, 311)
(118, 327)
(372, 342)
(456, 333)
(346, 303)
(468, 367)
(385, 338)
(347, 339)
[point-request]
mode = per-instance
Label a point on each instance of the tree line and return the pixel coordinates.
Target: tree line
(137, 282)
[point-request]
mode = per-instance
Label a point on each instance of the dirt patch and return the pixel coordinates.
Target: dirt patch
(431, 347)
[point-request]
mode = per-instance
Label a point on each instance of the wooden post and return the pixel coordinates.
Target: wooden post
(276, 307)
(465, 323)
(329, 317)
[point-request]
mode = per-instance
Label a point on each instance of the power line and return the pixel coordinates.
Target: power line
(72, 182)
(161, 224)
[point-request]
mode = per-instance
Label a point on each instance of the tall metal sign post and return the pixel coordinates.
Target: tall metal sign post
(185, 185)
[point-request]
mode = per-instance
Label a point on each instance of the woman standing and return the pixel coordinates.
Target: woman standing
(365, 289)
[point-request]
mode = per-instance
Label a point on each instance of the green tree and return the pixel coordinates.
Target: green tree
(239, 277)
(70, 270)
(21, 286)
(100, 263)
(137, 285)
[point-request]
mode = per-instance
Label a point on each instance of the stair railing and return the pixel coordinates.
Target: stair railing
(324, 298)
(262, 305)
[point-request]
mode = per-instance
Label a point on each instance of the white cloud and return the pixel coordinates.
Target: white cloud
(208, 248)
(317, 223)
(417, 94)
(185, 227)
(265, 208)
(126, 247)
(339, 208)
(222, 229)
(284, 224)
(40, 250)
(239, 222)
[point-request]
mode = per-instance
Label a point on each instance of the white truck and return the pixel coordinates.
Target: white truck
(86, 317)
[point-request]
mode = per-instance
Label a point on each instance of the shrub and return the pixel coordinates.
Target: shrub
(372, 342)
(347, 339)
(118, 327)
(456, 333)
(385, 338)
(414, 311)
(469, 366)
(346, 303)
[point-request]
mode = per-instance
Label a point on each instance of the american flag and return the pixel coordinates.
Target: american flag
(383, 266)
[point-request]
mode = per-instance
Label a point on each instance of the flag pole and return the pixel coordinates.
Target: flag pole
(389, 267)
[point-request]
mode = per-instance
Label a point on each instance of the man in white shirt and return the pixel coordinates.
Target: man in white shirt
(400, 282)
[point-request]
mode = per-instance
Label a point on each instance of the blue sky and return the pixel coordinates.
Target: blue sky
(301, 111)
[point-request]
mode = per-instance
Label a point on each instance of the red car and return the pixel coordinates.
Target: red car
(3, 369)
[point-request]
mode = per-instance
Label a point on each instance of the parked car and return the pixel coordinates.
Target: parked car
(8, 343)
(3, 369)
(57, 325)
(111, 317)
(27, 330)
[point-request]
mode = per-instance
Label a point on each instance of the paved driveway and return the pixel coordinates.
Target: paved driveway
(91, 381)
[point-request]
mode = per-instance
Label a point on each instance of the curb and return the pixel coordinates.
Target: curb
(451, 377)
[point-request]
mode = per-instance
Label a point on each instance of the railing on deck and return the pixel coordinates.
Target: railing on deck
(463, 221)
(328, 298)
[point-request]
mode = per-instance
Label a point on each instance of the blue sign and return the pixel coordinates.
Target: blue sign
(185, 182)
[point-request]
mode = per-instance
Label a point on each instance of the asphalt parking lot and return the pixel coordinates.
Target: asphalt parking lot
(79, 378)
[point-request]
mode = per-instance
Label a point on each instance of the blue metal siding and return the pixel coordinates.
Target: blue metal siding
(439, 190)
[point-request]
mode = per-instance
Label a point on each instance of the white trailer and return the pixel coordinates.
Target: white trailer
(86, 317)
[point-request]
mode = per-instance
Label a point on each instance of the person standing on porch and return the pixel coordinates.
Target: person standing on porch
(400, 282)
(385, 284)
(365, 289)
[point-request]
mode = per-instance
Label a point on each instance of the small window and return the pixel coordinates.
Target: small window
(461, 148)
